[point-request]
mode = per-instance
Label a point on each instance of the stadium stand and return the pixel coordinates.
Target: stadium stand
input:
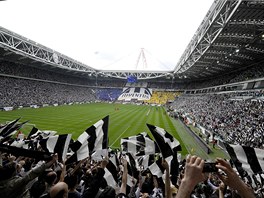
(248, 73)
(162, 97)
(108, 94)
(235, 117)
(19, 70)
(239, 113)
(217, 86)
(21, 92)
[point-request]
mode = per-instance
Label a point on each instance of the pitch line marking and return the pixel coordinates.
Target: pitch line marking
(148, 112)
(119, 136)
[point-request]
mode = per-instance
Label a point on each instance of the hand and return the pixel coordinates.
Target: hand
(12, 158)
(55, 157)
(104, 162)
(222, 186)
(52, 161)
(165, 164)
(192, 176)
(124, 161)
(233, 180)
(194, 170)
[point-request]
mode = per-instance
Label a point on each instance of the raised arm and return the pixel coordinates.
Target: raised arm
(232, 179)
(167, 178)
(192, 176)
(124, 177)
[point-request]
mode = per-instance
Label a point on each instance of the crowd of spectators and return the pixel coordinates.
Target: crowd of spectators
(20, 92)
(108, 94)
(235, 117)
(19, 70)
(22, 85)
(162, 97)
(24, 177)
(249, 74)
(16, 69)
(237, 121)
(236, 76)
(185, 83)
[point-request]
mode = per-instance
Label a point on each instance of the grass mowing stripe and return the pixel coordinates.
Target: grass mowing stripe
(121, 124)
(119, 137)
(127, 121)
(140, 125)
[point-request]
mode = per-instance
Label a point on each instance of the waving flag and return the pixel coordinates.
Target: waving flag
(249, 158)
(156, 168)
(10, 129)
(98, 135)
(25, 152)
(33, 131)
(143, 162)
(111, 172)
(92, 139)
(139, 145)
(6, 130)
(57, 144)
(165, 141)
(42, 134)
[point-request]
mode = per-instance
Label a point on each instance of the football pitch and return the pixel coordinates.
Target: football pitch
(124, 120)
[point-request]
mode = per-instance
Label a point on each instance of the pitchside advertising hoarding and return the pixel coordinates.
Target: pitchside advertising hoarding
(138, 93)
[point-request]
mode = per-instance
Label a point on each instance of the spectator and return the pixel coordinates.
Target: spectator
(12, 185)
(194, 174)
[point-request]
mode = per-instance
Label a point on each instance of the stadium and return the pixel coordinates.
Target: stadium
(210, 104)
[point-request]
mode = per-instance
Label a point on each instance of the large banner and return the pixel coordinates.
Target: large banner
(138, 93)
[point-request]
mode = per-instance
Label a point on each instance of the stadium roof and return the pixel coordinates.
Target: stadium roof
(230, 37)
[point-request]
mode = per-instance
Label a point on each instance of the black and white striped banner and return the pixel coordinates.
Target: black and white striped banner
(111, 174)
(138, 93)
(165, 141)
(57, 144)
(156, 168)
(5, 130)
(251, 159)
(92, 139)
(139, 145)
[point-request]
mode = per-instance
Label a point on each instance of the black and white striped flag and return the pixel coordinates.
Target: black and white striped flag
(139, 145)
(132, 172)
(156, 168)
(92, 139)
(42, 134)
(20, 143)
(165, 141)
(57, 144)
(25, 152)
(33, 131)
(16, 127)
(143, 162)
(4, 131)
(10, 129)
(98, 135)
(111, 172)
(251, 159)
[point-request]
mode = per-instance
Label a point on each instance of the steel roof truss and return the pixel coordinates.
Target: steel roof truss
(208, 33)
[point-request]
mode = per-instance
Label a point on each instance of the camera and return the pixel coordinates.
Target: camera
(210, 167)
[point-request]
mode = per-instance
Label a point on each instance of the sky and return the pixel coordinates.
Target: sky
(109, 34)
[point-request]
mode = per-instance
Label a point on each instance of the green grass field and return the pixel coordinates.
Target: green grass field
(127, 121)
